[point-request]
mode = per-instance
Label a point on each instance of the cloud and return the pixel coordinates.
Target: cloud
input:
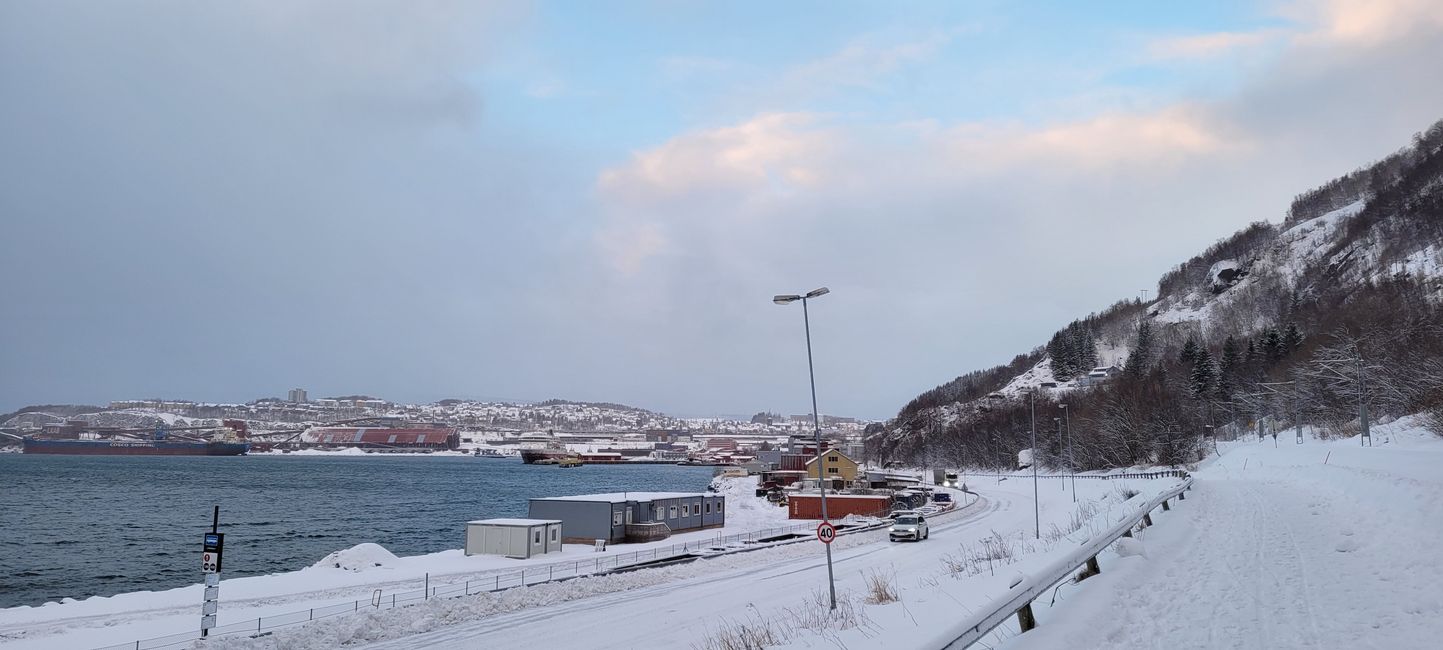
(1364, 22)
(864, 62)
(248, 194)
(952, 245)
(1208, 46)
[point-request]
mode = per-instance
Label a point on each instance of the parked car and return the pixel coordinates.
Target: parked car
(942, 497)
(910, 526)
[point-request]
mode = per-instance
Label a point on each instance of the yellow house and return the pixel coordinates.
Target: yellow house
(835, 465)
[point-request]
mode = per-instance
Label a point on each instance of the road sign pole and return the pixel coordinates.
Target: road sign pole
(212, 549)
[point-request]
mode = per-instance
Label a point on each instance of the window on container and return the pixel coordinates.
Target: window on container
(708, 508)
(673, 513)
(536, 538)
(616, 518)
(686, 511)
(553, 533)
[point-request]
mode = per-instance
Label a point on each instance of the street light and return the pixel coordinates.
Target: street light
(1036, 509)
(816, 423)
(1058, 422)
(1071, 460)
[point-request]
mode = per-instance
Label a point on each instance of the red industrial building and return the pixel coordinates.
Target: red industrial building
(412, 437)
(809, 506)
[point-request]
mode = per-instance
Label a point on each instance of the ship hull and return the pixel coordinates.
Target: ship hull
(530, 456)
(133, 448)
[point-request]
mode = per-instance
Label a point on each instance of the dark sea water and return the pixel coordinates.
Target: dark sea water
(78, 526)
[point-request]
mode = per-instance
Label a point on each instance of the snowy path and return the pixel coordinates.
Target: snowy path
(1289, 553)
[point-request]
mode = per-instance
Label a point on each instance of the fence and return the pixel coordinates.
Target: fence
(1161, 473)
(492, 582)
(1021, 594)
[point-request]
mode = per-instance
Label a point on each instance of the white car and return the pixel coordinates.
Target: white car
(909, 526)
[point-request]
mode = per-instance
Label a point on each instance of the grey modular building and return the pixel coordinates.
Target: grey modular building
(589, 517)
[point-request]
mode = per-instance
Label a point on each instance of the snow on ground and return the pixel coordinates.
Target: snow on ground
(680, 606)
(744, 509)
(102, 620)
(1032, 378)
(1276, 549)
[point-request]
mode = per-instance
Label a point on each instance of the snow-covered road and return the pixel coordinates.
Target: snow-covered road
(676, 614)
(1288, 553)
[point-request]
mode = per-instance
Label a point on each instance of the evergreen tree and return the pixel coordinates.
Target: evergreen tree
(1204, 376)
(1189, 351)
(1292, 339)
(1272, 344)
(1142, 352)
(1086, 347)
(1232, 356)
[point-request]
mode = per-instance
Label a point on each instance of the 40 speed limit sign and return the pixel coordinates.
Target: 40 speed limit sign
(826, 532)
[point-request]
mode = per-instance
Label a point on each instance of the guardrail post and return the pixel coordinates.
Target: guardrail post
(1164, 505)
(1091, 570)
(1147, 518)
(1128, 533)
(1025, 620)
(1182, 496)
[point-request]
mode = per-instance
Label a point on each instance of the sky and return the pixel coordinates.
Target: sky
(597, 201)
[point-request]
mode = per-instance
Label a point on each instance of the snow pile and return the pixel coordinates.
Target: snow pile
(361, 557)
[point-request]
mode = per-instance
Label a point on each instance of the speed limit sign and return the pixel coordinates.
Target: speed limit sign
(826, 532)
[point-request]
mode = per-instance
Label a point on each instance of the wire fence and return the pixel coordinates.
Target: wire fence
(500, 581)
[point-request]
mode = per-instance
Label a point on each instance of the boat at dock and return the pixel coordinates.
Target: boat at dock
(224, 442)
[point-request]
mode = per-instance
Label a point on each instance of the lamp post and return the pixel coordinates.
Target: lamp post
(1036, 509)
(816, 423)
(1071, 460)
(1058, 421)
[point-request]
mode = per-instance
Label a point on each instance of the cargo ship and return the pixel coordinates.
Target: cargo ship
(119, 447)
(224, 442)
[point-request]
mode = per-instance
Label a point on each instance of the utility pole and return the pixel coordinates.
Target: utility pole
(1071, 460)
(1362, 406)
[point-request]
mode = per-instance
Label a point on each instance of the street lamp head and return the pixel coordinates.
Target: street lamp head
(818, 292)
(782, 300)
(1062, 406)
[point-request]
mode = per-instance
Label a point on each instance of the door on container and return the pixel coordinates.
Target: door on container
(495, 540)
(519, 545)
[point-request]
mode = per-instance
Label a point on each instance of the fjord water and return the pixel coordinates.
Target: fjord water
(78, 526)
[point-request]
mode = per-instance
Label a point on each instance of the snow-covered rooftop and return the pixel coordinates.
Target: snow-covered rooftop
(515, 522)
(622, 497)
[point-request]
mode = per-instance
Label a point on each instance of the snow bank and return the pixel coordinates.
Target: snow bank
(361, 557)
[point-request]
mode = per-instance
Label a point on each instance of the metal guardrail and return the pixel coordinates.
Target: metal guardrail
(1020, 595)
(1164, 473)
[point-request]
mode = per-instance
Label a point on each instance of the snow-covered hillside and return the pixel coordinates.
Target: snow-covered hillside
(1356, 263)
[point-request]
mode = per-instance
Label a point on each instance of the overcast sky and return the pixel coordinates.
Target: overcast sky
(220, 201)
